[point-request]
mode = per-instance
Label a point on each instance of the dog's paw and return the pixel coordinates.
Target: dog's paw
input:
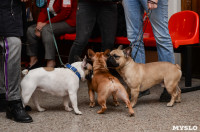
(131, 114)
(92, 104)
(78, 112)
(41, 109)
(178, 101)
(169, 104)
(132, 105)
(68, 109)
(25, 72)
(101, 111)
(116, 103)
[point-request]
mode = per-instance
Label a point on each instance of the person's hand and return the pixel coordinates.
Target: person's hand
(40, 25)
(38, 28)
(24, 0)
(37, 33)
(152, 4)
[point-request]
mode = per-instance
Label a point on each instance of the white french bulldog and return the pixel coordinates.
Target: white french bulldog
(56, 81)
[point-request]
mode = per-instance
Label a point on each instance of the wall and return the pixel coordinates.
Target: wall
(173, 7)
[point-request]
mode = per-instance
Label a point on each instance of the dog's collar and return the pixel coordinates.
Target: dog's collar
(74, 70)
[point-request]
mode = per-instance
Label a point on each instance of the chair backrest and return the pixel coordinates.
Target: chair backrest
(147, 28)
(184, 25)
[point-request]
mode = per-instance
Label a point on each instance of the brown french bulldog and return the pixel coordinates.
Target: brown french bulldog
(140, 77)
(104, 83)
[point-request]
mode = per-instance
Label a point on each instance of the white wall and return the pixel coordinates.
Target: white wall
(173, 7)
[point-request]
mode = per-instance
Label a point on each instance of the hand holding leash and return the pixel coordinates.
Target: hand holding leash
(152, 4)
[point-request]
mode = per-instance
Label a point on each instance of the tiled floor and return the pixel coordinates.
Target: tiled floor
(150, 115)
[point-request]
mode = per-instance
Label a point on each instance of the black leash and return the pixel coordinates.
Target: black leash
(140, 38)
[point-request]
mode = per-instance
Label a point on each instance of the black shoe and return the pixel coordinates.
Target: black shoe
(16, 111)
(3, 103)
(143, 93)
(165, 96)
(36, 65)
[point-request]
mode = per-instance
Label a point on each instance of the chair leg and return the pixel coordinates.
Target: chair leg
(188, 71)
(188, 66)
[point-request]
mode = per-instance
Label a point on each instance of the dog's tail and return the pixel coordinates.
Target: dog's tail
(25, 72)
(113, 84)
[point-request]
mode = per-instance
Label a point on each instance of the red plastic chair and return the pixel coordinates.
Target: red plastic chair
(184, 31)
(184, 28)
(72, 37)
(148, 37)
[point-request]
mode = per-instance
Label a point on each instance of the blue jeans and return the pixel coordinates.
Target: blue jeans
(134, 11)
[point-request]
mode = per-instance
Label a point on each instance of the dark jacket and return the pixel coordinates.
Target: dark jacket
(11, 24)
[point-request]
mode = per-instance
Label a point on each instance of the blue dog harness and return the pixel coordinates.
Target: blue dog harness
(74, 70)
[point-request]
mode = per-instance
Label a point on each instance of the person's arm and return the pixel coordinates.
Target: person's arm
(43, 17)
(152, 4)
(41, 22)
(39, 27)
(62, 15)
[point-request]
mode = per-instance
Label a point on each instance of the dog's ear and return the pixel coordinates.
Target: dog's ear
(84, 63)
(120, 47)
(77, 58)
(91, 53)
(127, 52)
(106, 53)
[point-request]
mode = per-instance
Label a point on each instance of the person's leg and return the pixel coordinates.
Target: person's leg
(12, 72)
(59, 28)
(107, 21)
(85, 21)
(134, 11)
(2, 60)
(2, 81)
(159, 22)
(32, 45)
(13, 68)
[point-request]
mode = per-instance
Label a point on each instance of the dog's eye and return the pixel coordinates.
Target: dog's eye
(116, 56)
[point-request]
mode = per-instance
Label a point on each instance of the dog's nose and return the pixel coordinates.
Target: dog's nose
(110, 58)
(109, 61)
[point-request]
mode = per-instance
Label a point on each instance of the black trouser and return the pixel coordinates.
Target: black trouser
(87, 15)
